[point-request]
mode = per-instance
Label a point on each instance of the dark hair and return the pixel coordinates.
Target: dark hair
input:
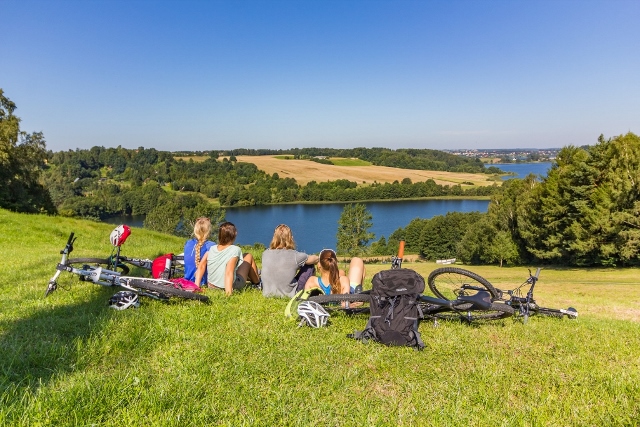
(329, 262)
(227, 233)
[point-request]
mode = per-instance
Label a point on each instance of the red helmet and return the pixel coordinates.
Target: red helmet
(119, 235)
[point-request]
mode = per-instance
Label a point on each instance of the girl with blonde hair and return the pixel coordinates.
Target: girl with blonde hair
(195, 248)
(285, 270)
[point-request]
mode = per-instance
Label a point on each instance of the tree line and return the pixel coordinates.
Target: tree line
(109, 181)
(585, 212)
(403, 158)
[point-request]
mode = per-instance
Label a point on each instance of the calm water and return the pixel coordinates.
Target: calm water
(315, 226)
(523, 169)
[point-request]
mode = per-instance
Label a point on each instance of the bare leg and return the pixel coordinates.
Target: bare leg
(248, 270)
(356, 271)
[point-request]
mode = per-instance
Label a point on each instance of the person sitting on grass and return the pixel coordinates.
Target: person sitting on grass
(228, 268)
(285, 270)
(194, 249)
(332, 280)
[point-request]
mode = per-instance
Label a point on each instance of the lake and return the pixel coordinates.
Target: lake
(521, 170)
(315, 226)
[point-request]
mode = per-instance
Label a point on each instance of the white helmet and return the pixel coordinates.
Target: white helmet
(123, 300)
(313, 314)
(119, 235)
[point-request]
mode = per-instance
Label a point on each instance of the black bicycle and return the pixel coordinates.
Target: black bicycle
(93, 270)
(451, 283)
(468, 307)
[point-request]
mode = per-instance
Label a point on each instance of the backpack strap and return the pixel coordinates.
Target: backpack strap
(368, 333)
(392, 304)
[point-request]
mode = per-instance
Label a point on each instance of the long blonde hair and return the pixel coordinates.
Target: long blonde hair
(282, 238)
(201, 231)
(329, 263)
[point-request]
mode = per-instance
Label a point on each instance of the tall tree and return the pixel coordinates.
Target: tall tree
(502, 248)
(353, 229)
(22, 159)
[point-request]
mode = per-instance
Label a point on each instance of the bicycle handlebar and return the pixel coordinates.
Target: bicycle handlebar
(69, 246)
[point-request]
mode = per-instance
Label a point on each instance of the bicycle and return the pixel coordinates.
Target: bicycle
(91, 269)
(117, 262)
(469, 308)
(452, 282)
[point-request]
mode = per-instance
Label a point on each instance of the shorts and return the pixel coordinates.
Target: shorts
(238, 284)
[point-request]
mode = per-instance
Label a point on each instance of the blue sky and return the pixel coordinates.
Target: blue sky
(199, 75)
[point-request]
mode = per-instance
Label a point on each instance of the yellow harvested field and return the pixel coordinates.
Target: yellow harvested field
(305, 170)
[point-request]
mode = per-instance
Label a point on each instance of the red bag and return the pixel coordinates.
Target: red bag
(161, 267)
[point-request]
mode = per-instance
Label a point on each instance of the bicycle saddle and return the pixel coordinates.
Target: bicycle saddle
(481, 300)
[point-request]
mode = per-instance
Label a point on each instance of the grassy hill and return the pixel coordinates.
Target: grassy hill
(70, 360)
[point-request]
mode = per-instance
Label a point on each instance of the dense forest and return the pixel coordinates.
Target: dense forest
(586, 212)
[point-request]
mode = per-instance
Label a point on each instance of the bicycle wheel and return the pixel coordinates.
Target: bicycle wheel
(451, 282)
(497, 311)
(349, 303)
(104, 263)
(162, 288)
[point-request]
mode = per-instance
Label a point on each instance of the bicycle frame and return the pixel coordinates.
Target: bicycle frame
(98, 275)
(526, 305)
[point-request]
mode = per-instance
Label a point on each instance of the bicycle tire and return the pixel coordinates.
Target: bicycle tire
(497, 311)
(102, 262)
(153, 285)
(447, 282)
(334, 302)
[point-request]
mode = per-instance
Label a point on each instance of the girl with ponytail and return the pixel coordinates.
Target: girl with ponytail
(332, 280)
(195, 248)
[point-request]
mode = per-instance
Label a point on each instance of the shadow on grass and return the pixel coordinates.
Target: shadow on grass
(36, 348)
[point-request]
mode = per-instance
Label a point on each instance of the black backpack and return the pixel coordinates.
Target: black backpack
(394, 309)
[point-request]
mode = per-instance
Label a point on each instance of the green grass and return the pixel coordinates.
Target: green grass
(70, 360)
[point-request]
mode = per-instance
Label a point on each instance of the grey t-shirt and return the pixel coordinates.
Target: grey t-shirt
(279, 267)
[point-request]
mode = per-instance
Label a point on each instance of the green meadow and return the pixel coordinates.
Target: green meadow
(69, 359)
